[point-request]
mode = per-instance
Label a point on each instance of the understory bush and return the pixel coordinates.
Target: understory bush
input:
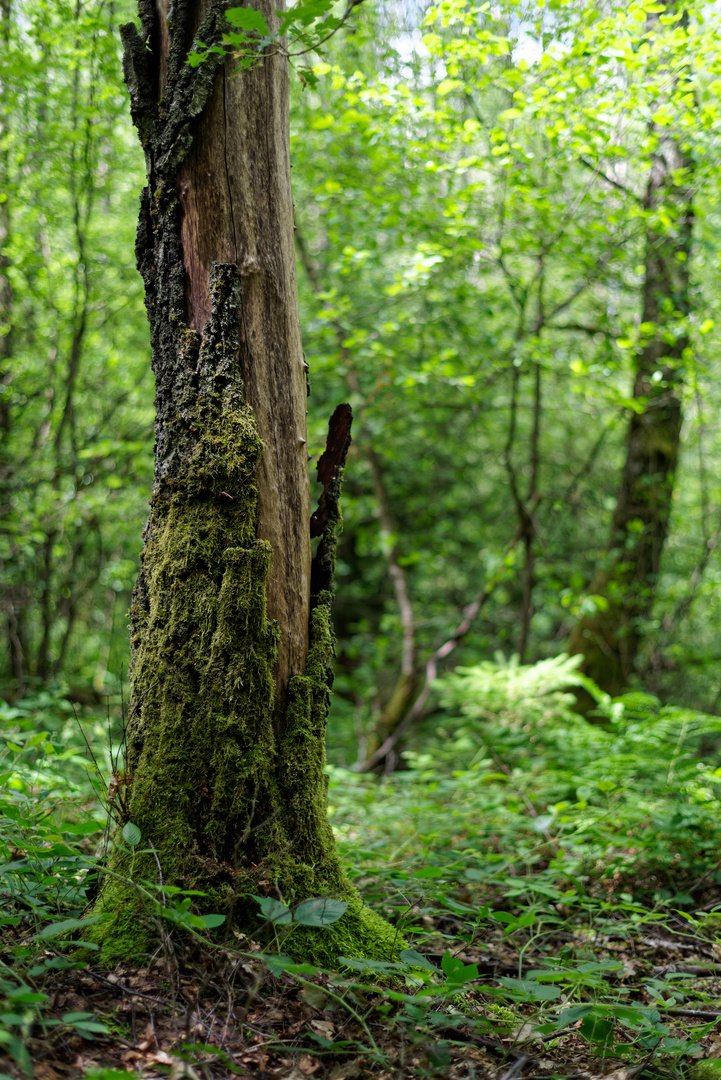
(516, 782)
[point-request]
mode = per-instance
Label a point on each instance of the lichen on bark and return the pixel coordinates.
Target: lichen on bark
(225, 773)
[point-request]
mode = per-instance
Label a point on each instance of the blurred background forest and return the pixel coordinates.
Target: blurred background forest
(508, 239)
(508, 260)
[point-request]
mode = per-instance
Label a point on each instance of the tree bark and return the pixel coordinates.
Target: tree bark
(610, 638)
(232, 643)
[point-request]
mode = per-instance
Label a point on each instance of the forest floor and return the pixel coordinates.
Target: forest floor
(558, 906)
(655, 993)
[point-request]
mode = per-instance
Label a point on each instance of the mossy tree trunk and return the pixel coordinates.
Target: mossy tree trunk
(625, 584)
(232, 643)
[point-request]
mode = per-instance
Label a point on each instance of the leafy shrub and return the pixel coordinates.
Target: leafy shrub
(517, 780)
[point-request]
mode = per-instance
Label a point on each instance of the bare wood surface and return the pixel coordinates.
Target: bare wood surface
(237, 208)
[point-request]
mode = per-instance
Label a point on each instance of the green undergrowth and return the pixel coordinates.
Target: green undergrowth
(519, 867)
(517, 788)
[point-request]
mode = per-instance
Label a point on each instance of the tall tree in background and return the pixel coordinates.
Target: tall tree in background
(72, 355)
(231, 633)
(625, 584)
(15, 629)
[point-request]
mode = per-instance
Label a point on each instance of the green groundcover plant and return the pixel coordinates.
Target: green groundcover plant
(522, 823)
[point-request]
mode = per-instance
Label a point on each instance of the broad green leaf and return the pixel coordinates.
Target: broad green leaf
(67, 926)
(319, 912)
(597, 1029)
(211, 921)
(456, 971)
(27, 997)
(531, 989)
(131, 834)
(415, 959)
(504, 917)
(246, 18)
(84, 828)
(274, 910)
(573, 1015)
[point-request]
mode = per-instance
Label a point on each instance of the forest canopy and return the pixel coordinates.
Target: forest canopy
(506, 232)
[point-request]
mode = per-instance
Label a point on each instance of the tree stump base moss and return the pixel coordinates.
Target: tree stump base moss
(224, 775)
(226, 783)
(130, 931)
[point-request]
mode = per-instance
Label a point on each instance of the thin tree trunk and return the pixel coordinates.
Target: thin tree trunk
(13, 601)
(611, 637)
(231, 632)
(406, 686)
(529, 535)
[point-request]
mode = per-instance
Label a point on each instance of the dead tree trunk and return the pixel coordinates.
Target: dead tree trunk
(232, 643)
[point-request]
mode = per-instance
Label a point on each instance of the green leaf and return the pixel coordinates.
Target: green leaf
(416, 960)
(84, 828)
(573, 1015)
(636, 1015)
(274, 910)
(23, 996)
(18, 1051)
(429, 872)
(277, 963)
(131, 834)
(92, 1026)
(319, 912)
(596, 1029)
(211, 921)
(456, 971)
(67, 926)
(360, 964)
(503, 916)
(247, 19)
(530, 989)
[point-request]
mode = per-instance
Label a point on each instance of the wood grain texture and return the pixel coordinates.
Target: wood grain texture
(235, 195)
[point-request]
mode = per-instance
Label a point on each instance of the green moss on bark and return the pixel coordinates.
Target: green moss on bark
(225, 783)
(228, 790)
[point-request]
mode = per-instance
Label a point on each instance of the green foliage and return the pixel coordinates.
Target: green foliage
(490, 850)
(302, 29)
(530, 796)
(472, 229)
(76, 397)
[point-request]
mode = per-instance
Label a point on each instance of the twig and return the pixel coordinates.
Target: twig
(431, 672)
(700, 1014)
(92, 755)
(516, 1067)
(126, 989)
(609, 180)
